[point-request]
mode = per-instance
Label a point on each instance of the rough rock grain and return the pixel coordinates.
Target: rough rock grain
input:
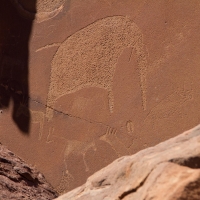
(127, 79)
(20, 181)
(168, 171)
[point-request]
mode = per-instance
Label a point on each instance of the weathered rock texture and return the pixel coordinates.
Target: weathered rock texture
(105, 78)
(20, 181)
(168, 171)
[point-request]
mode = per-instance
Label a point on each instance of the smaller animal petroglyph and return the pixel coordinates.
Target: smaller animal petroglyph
(64, 182)
(36, 116)
(110, 137)
(171, 105)
(73, 147)
(88, 58)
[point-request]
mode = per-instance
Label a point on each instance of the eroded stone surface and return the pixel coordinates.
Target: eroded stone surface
(128, 78)
(20, 181)
(170, 170)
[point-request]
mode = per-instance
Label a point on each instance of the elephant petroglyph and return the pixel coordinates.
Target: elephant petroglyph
(89, 57)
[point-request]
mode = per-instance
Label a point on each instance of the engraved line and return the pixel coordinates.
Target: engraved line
(48, 46)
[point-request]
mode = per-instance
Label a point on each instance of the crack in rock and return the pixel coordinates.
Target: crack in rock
(134, 189)
(69, 115)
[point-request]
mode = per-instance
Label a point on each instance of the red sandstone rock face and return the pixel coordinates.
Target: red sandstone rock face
(20, 181)
(168, 171)
(117, 77)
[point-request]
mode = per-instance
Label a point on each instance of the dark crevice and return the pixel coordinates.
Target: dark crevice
(134, 189)
(191, 191)
(3, 160)
(101, 184)
(192, 162)
(12, 178)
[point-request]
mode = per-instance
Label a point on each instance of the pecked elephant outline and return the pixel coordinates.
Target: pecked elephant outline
(88, 58)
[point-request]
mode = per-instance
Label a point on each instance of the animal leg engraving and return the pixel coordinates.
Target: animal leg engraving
(51, 130)
(72, 68)
(78, 148)
(85, 163)
(38, 117)
(87, 147)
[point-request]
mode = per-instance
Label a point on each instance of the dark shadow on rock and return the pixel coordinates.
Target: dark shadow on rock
(15, 31)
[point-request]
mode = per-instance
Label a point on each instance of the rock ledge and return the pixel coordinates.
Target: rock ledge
(20, 181)
(170, 170)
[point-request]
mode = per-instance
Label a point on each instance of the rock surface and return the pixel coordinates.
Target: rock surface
(118, 76)
(20, 181)
(168, 171)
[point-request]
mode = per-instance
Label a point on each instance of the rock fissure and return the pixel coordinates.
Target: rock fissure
(123, 195)
(191, 162)
(69, 115)
(101, 184)
(20, 181)
(3, 160)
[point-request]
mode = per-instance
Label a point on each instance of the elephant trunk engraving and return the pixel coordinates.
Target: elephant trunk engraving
(88, 58)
